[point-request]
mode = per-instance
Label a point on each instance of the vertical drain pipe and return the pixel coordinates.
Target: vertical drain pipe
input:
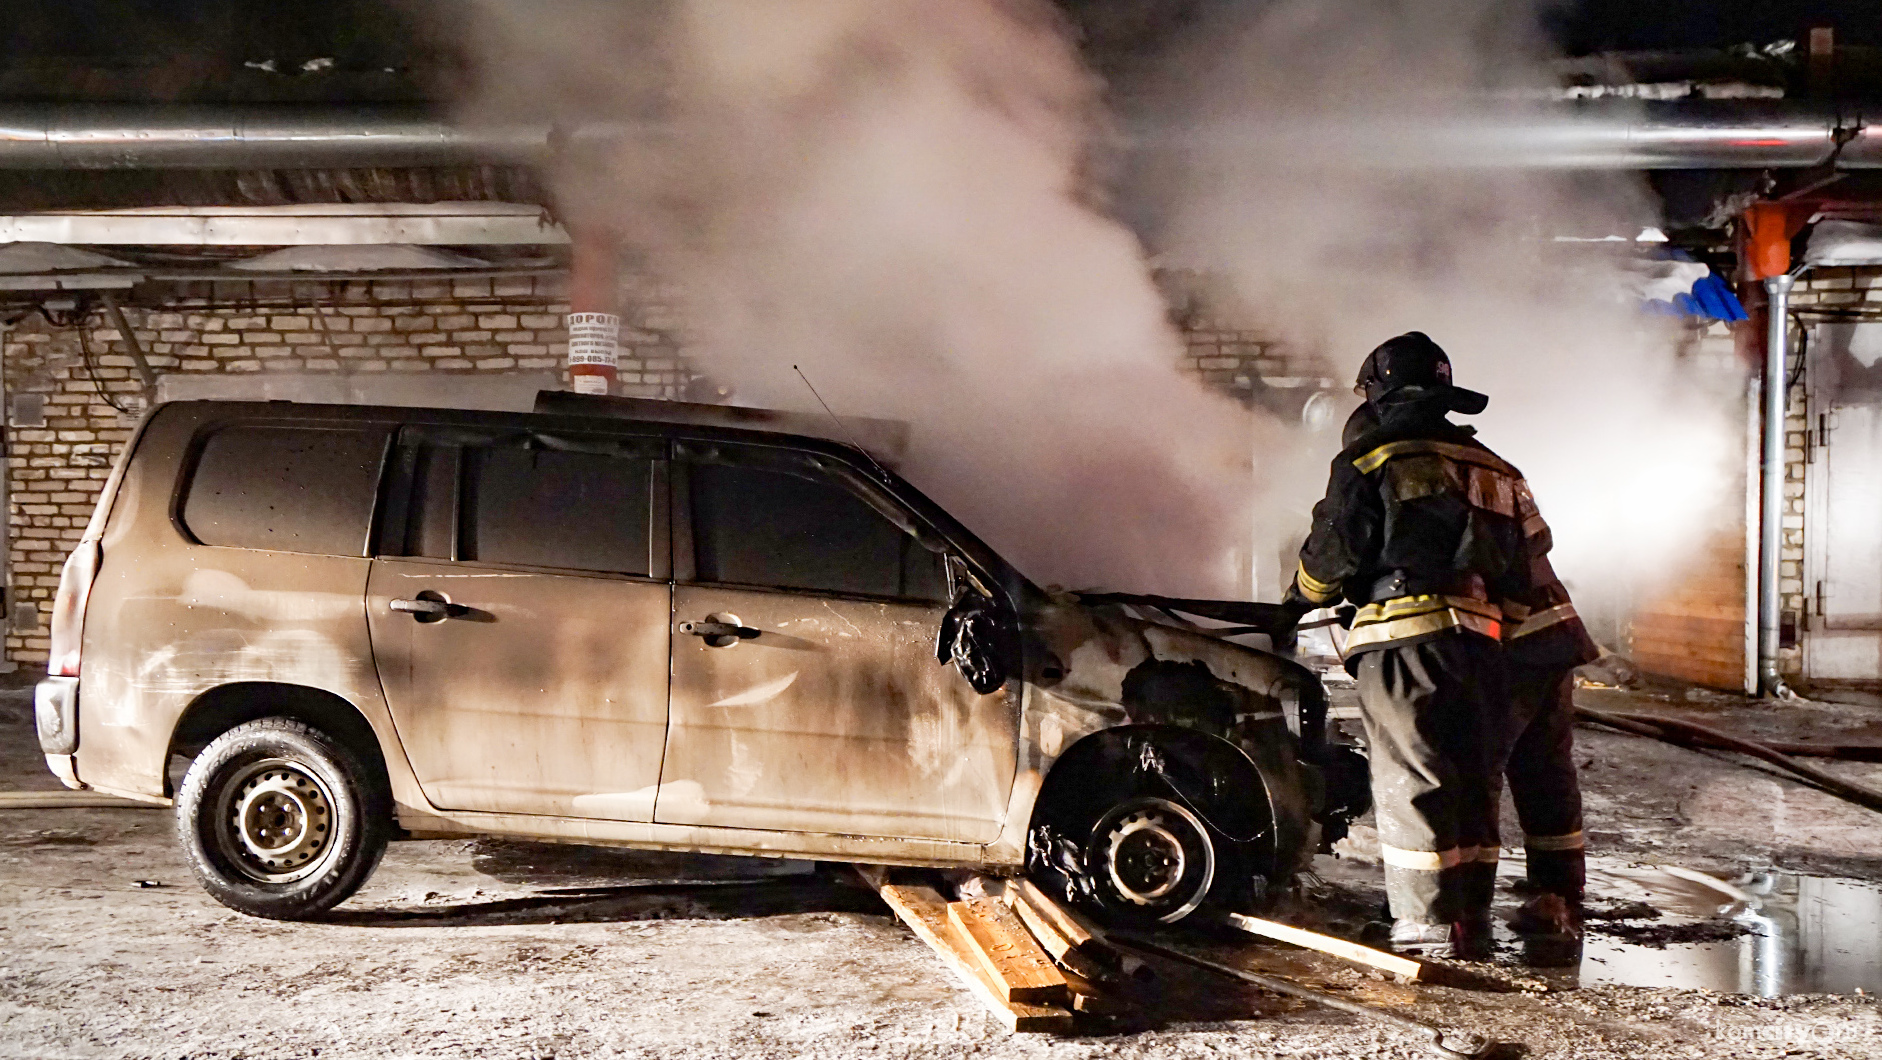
(594, 320)
(1771, 525)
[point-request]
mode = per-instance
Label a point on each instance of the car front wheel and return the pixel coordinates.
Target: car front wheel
(280, 820)
(1151, 859)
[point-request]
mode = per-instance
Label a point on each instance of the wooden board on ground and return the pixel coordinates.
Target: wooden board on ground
(1078, 962)
(925, 913)
(1018, 969)
(1313, 940)
(1075, 929)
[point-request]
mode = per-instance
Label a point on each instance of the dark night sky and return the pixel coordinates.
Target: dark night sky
(370, 31)
(1623, 25)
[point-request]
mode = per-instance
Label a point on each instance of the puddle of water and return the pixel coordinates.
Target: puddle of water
(1796, 934)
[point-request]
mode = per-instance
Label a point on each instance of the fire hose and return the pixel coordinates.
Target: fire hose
(1691, 734)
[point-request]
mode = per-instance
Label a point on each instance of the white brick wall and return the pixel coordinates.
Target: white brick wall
(54, 473)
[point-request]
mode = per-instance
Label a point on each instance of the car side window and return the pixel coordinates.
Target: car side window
(772, 528)
(549, 508)
(286, 489)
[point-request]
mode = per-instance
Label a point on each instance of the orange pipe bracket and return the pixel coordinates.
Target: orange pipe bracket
(1770, 226)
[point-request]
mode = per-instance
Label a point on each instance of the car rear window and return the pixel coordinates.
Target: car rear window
(286, 489)
(764, 527)
(546, 508)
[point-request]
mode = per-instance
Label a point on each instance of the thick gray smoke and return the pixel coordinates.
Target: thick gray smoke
(891, 194)
(898, 196)
(1306, 185)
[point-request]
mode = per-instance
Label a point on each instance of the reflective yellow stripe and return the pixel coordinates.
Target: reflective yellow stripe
(1312, 588)
(1406, 606)
(1480, 855)
(1571, 841)
(1421, 860)
(1417, 616)
(1541, 620)
(1464, 454)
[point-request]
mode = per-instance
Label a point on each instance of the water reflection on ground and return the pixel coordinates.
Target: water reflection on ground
(1787, 934)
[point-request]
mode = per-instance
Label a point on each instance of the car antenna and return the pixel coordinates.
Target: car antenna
(840, 425)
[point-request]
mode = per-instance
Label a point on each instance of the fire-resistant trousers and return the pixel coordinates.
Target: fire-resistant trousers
(1436, 718)
(1542, 777)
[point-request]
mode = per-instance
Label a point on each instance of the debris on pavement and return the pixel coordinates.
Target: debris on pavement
(1033, 962)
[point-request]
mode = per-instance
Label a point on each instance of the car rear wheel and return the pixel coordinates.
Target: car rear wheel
(280, 820)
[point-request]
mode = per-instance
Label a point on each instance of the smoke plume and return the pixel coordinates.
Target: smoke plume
(906, 198)
(1302, 180)
(893, 195)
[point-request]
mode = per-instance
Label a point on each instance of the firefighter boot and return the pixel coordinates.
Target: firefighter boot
(1471, 936)
(1550, 928)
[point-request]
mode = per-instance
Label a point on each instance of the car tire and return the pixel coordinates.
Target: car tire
(281, 820)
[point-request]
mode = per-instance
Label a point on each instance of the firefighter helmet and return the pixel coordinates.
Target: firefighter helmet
(1413, 360)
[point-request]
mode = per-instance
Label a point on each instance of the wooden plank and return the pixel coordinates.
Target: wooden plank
(1313, 940)
(1071, 958)
(1018, 969)
(925, 913)
(1050, 937)
(1087, 937)
(1074, 928)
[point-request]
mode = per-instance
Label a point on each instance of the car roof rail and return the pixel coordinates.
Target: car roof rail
(886, 440)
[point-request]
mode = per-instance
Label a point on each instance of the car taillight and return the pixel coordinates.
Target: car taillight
(68, 608)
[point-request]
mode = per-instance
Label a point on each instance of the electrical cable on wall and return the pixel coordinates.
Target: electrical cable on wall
(76, 321)
(91, 369)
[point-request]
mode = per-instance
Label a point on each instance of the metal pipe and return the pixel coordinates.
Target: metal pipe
(1771, 522)
(1583, 134)
(196, 136)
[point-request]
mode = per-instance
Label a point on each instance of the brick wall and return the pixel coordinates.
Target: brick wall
(1252, 366)
(464, 327)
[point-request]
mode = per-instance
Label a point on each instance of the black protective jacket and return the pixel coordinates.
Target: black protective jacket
(1423, 529)
(1544, 633)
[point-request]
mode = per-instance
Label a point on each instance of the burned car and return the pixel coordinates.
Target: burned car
(319, 628)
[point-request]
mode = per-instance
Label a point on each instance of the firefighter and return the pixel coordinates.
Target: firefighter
(1420, 530)
(1541, 651)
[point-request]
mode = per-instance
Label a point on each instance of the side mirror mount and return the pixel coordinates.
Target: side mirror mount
(981, 639)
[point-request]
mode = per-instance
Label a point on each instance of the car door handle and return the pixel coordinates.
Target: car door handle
(708, 629)
(425, 608)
